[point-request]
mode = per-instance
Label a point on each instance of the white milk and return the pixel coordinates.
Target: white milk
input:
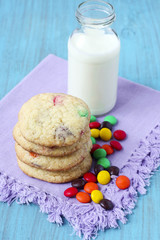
(93, 59)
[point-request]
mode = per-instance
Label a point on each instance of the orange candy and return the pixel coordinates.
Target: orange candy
(83, 197)
(108, 148)
(90, 186)
(33, 154)
(122, 182)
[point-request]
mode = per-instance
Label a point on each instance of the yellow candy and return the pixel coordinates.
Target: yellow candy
(95, 132)
(96, 196)
(103, 177)
(105, 134)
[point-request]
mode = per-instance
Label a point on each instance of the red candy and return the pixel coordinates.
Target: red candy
(94, 125)
(119, 134)
(108, 148)
(116, 145)
(95, 147)
(90, 177)
(70, 192)
(82, 132)
(57, 100)
(122, 182)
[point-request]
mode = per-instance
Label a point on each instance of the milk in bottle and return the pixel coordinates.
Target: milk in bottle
(93, 57)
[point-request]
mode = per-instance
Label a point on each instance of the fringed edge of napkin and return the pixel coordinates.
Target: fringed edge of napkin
(88, 219)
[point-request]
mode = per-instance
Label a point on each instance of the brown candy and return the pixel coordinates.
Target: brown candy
(98, 168)
(78, 183)
(113, 170)
(106, 204)
(106, 124)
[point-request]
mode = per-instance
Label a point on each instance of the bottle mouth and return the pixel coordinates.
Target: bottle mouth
(95, 13)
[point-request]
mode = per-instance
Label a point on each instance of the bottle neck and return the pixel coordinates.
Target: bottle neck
(95, 14)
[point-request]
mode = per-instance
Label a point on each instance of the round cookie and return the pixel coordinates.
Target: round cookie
(53, 119)
(57, 177)
(48, 151)
(52, 163)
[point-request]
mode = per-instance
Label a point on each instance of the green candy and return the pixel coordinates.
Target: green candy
(99, 153)
(104, 162)
(93, 118)
(83, 113)
(93, 140)
(111, 119)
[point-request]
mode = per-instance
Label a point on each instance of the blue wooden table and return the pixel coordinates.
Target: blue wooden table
(29, 31)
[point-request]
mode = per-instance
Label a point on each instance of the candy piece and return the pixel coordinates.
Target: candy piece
(99, 153)
(108, 148)
(95, 147)
(98, 168)
(93, 118)
(78, 183)
(104, 162)
(90, 177)
(83, 112)
(103, 177)
(33, 154)
(111, 119)
(105, 134)
(119, 134)
(96, 196)
(113, 170)
(83, 197)
(94, 125)
(36, 165)
(93, 140)
(106, 124)
(70, 192)
(57, 100)
(82, 132)
(122, 182)
(116, 145)
(90, 186)
(62, 132)
(95, 132)
(106, 204)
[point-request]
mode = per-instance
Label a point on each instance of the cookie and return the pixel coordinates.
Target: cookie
(46, 151)
(57, 177)
(52, 163)
(53, 119)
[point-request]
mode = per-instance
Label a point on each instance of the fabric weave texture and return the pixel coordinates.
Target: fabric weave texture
(137, 111)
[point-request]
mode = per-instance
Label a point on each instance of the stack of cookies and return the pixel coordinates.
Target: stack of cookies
(53, 138)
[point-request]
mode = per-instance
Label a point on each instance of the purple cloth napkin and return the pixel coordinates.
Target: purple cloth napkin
(137, 111)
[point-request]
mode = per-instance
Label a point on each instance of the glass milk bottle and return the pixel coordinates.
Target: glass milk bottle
(93, 57)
